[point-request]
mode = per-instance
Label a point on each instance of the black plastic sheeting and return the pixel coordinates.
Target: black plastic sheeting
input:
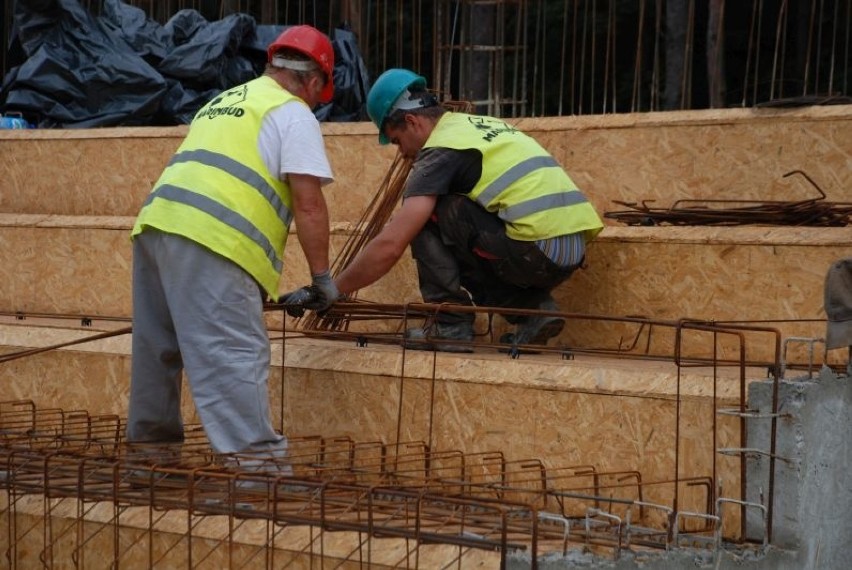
(74, 70)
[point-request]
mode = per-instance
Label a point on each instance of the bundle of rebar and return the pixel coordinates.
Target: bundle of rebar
(369, 225)
(811, 212)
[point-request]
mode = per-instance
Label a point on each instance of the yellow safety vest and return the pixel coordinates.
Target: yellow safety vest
(218, 192)
(520, 182)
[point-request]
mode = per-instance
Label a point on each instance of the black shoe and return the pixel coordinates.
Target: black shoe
(430, 337)
(536, 330)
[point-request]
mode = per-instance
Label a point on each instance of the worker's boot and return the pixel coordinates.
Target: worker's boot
(536, 330)
(433, 337)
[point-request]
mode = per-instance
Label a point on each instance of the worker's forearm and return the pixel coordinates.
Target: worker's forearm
(311, 215)
(312, 229)
(368, 267)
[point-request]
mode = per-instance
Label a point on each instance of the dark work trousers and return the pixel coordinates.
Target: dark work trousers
(466, 247)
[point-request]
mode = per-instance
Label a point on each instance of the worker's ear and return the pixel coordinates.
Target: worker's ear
(411, 120)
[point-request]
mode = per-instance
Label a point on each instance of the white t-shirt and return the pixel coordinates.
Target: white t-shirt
(290, 140)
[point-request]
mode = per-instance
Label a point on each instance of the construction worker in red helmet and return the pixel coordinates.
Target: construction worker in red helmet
(492, 219)
(208, 247)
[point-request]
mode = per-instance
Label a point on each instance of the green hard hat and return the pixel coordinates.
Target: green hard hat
(384, 93)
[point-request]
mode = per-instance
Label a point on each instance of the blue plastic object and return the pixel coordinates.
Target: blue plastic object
(13, 121)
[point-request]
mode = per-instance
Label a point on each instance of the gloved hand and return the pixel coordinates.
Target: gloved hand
(318, 296)
(296, 300)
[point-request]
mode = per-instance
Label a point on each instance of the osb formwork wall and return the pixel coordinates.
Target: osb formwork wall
(731, 154)
(69, 198)
(109, 172)
(720, 155)
(759, 277)
(615, 417)
(81, 265)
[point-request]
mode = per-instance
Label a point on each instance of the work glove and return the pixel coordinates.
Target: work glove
(318, 296)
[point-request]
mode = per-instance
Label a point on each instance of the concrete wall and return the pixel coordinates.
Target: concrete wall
(813, 481)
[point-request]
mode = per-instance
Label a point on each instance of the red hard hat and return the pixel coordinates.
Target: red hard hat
(314, 44)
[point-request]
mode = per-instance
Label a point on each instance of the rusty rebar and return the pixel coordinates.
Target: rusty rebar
(479, 501)
(814, 212)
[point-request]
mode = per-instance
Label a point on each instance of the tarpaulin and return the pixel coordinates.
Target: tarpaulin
(123, 68)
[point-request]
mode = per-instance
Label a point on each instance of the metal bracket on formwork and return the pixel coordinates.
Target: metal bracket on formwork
(86, 321)
(361, 341)
(19, 316)
(713, 519)
(748, 504)
(750, 451)
(630, 529)
(807, 340)
(764, 511)
(753, 414)
(567, 355)
(566, 527)
(592, 512)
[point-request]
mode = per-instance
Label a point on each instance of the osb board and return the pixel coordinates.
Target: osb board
(63, 269)
(109, 172)
(782, 283)
(561, 415)
(77, 359)
(714, 154)
(731, 154)
(83, 265)
(490, 368)
(561, 428)
(714, 281)
(104, 172)
(98, 383)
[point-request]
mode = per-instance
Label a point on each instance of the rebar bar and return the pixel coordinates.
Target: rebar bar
(810, 212)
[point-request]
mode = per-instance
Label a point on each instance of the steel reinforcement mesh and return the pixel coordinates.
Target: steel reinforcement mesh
(71, 484)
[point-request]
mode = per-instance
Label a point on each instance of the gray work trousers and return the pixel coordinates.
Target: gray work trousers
(198, 311)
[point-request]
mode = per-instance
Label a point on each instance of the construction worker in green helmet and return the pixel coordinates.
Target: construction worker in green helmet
(492, 219)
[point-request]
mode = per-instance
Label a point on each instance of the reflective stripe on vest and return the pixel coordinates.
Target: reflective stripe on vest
(542, 204)
(520, 181)
(220, 212)
(240, 171)
(535, 205)
(218, 192)
(512, 175)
